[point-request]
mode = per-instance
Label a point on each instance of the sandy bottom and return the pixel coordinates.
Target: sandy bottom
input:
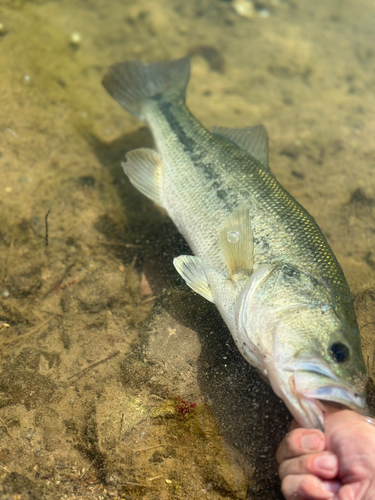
(115, 380)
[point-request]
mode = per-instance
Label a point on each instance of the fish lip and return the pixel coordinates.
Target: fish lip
(337, 391)
(300, 390)
(307, 365)
(343, 394)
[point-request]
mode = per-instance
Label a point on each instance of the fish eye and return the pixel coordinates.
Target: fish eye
(339, 352)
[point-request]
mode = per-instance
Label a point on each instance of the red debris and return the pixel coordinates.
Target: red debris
(62, 287)
(184, 407)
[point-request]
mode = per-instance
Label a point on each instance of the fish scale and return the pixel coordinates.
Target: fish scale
(259, 256)
(299, 238)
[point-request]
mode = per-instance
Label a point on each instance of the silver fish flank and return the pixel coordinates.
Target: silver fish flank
(259, 256)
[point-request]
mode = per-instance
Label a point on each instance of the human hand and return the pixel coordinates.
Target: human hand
(336, 465)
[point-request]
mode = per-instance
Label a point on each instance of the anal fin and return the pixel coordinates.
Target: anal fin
(191, 269)
(236, 241)
(143, 167)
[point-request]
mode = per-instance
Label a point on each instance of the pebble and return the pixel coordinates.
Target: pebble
(75, 39)
(244, 8)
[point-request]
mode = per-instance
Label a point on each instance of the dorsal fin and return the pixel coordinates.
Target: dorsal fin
(236, 241)
(254, 140)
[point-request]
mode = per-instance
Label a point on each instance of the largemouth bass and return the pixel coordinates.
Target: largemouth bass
(259, 256)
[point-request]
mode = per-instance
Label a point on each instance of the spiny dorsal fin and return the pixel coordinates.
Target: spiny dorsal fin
(143, 167)
(191, 269)
(252, 139)
(236, 241)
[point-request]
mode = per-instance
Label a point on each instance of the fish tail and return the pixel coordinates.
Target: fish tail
(134, 84)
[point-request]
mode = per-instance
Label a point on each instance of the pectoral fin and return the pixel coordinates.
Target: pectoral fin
(143, 167)
(191, 269)
(236, 241)
(251, 139)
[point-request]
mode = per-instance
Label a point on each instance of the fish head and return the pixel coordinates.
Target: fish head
(304, 340)
(317, 358)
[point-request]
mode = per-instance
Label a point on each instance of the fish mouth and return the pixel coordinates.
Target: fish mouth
(315, 383)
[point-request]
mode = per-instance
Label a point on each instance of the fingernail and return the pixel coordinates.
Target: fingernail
(326, 462)
(331, 486)
(311, 442)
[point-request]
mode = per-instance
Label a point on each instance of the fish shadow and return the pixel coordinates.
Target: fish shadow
(253, 420)
(150, 239)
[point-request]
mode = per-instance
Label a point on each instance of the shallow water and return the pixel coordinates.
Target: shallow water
(116, 381)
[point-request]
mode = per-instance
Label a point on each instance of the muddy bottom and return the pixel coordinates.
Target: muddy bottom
(116, 381)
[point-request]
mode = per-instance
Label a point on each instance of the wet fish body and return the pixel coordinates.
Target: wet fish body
(258, 254)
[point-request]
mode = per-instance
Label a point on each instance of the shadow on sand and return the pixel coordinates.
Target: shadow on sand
(252, 419)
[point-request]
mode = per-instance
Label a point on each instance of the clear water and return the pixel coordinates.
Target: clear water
(116, 381)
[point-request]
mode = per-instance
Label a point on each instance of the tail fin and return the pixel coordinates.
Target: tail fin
(133, 83)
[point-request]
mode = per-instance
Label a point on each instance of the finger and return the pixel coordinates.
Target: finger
(330, 410)
(299, 442)
(339, 421)
(324, 465)
(308, 487)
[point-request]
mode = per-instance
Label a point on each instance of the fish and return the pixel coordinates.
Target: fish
(258, 255)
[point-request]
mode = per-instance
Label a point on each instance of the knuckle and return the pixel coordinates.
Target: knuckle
(289, 487)
(299, 465)
(283, 470)
(304, 486)
(306, 464)
(293, 440)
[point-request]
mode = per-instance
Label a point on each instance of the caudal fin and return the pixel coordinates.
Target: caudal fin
(133, 83)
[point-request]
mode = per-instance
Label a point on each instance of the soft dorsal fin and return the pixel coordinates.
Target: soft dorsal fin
(236, 241)
(252, 139)
(143, 167)
(191, 269)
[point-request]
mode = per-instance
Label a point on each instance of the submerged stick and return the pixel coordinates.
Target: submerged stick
(93, 365)
(4, 325)
(158, 446)
(46, 221)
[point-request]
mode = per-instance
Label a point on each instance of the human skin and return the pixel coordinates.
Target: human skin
(338, 464)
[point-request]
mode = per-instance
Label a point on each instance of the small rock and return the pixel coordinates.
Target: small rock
(144, 287)
(244, 8)
(75, 39)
